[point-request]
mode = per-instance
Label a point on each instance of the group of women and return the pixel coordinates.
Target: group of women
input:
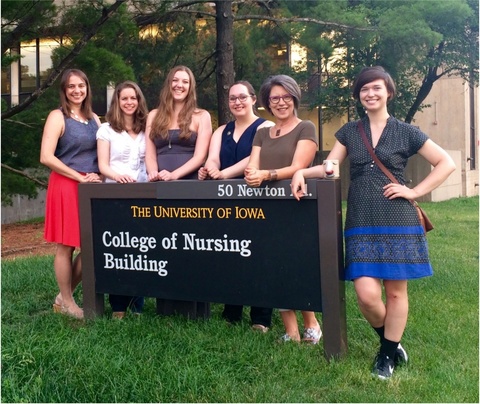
(175, 141)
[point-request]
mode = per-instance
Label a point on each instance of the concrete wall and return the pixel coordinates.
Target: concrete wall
(24, 208)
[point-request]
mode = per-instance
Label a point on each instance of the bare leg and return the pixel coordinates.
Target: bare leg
(76, 278)
(312, 332)
(369, 297)
(289, 318)
(309, 320)
(396, 309)
(64, 272)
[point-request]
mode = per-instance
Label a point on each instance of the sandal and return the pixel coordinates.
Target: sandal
(312, 336)
(62, 309)
(287, 338)
(259, 327)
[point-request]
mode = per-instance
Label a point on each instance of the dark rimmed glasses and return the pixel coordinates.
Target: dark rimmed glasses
(242, 98)
(276, 99)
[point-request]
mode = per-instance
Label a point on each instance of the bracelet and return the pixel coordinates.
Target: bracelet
(272, 175)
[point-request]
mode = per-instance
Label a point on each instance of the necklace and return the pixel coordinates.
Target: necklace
(280, 127)
(78, 118)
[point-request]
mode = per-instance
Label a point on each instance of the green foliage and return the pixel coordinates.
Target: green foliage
(142, 41)
(51, 358)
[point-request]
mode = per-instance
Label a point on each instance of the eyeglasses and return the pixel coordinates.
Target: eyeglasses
(276, 99)
(242, 98)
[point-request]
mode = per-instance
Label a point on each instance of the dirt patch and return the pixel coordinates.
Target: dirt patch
(24, 240)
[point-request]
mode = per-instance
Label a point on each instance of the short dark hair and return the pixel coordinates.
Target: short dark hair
(369, 74)
(284, 81)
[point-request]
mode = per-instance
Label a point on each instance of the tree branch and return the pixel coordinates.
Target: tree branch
(301, 19)
(58, 70)
(23, 174)
(12, 37)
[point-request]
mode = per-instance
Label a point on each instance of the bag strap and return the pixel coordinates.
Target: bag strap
(374, 156)
(377, 160)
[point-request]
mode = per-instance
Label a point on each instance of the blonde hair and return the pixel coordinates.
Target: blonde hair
(115, 115)
(165, 109)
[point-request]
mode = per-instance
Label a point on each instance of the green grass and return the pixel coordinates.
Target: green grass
(52, 358)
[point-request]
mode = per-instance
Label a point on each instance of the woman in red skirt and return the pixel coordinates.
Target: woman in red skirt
(69, 149)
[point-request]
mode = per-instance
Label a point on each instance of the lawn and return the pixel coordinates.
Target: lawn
(51, 358)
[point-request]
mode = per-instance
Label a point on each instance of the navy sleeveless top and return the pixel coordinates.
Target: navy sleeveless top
(77, 148)
(232, 152)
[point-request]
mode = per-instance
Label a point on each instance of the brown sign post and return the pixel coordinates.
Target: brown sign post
(217, 241)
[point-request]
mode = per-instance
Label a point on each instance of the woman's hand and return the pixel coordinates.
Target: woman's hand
(90, 177)
(214, 173)
(298, 185)
(153, 176)
(123, 179)
(202, 173)
(166, 175)
(254, 177)
(393, 191)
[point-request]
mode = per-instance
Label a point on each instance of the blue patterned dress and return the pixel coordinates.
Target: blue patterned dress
(383, 238)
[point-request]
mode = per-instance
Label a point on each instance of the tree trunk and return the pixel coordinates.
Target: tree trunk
(225, 73)
(423, 92)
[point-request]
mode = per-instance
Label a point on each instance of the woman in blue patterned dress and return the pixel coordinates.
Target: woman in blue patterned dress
(384, 240)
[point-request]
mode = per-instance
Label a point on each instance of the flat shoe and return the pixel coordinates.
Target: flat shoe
(260, 327)
(312, 336)
(118, 315)
(287, 338)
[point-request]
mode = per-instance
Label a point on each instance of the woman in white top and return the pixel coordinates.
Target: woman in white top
(121, 157)
(121, 140)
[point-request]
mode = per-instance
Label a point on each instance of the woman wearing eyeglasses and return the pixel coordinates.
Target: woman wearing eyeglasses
(228, 156)
(277, 153)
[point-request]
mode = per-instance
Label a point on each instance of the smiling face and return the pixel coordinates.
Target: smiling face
(283, 109)
(180, 86)
(374, 95)
(240, 101)
(128, 101)
(75, 90)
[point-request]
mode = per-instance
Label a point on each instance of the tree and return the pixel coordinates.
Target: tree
(417, 42)
(226, 40)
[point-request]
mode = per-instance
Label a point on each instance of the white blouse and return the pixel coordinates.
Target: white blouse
(127, 155)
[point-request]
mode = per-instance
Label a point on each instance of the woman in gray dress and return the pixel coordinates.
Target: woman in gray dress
(178, 132)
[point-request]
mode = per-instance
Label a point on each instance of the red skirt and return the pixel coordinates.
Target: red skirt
(62, 223)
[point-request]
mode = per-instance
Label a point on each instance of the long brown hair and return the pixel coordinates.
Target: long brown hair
(165, 109)
(115, 116)
(86, 108)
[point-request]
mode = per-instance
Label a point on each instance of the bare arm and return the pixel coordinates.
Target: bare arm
(212, 165)
(151, 163)
(338, 152)
(443, 167)
(304, 154)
